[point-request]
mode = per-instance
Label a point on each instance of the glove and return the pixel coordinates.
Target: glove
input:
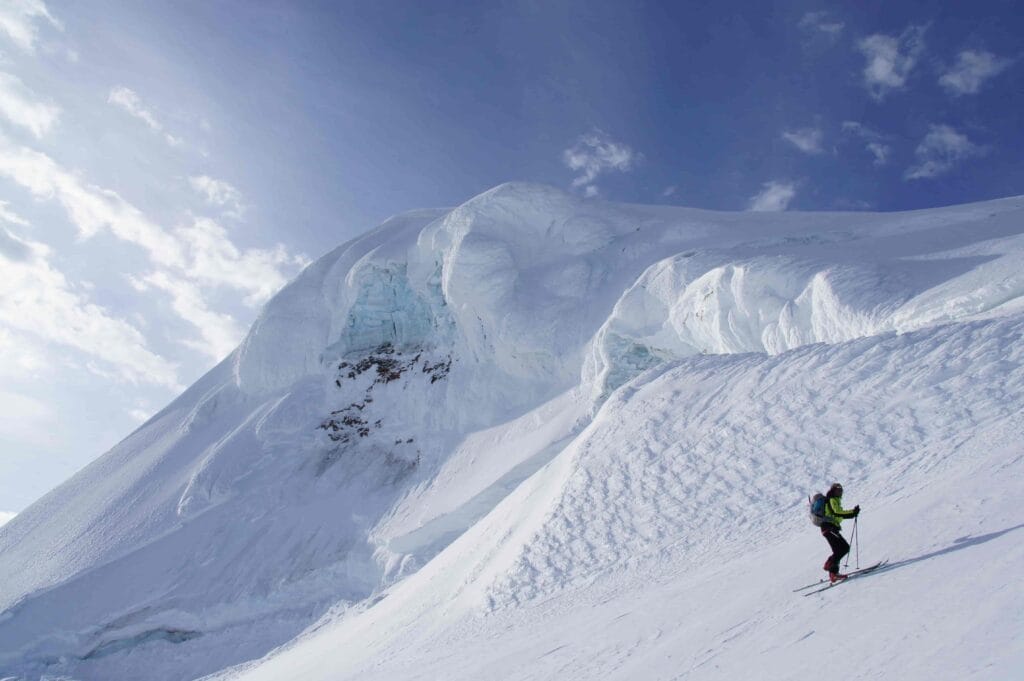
(856, 511)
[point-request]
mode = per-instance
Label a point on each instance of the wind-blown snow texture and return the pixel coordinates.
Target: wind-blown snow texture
(535, 437)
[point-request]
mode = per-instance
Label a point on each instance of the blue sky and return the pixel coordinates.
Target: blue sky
(165, 167)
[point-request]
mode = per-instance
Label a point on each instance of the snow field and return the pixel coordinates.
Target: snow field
(513, 420)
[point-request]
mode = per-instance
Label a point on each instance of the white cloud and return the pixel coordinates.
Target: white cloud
(972, 69)
(37, 300)
(6, 517)
(215, 260)
(19, 105)
(219, 193)
(202, 250)
(941, 149)
(90, 208)
(10, 217)
(21, 356)
(19, 18)
(669, 191)
(807, 140)
(595, 153)
(12, 248)
(218, 333)
(774, 196)
(197, 254)
(880, 152)
(129, 101)
(140, 415)
(820, 23)
(890, 60)
(873, 141)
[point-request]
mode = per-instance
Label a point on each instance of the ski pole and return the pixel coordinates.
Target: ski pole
(858, 542)
(853, 540)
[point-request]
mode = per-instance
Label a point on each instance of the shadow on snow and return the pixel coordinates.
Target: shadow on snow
(958, 545)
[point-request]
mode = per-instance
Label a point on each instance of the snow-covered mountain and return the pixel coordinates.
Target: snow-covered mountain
(535, 437)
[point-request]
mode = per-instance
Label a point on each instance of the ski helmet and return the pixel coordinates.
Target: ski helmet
(836, 490)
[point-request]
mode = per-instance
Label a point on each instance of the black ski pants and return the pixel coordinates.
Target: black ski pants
(840, 547)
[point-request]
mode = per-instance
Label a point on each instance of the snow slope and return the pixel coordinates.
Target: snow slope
(665, 543)
(537, 437)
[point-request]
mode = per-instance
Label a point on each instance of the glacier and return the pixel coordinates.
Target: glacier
(472, 441)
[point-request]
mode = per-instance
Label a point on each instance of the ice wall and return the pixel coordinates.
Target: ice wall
(707, 303)
(316, 310)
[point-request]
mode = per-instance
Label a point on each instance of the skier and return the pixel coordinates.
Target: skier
(834, 515)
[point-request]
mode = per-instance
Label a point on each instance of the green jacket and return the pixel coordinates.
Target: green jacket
(834, 512)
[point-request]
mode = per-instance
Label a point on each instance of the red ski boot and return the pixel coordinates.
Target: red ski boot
(835, 577)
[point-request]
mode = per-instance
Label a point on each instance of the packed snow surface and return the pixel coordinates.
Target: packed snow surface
(535, 437)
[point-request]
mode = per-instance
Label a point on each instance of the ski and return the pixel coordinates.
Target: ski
(824, 580)
(817, 583)
(856, 571)
(849, 576)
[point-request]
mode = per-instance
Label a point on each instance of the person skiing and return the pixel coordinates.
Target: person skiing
(834, 515)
